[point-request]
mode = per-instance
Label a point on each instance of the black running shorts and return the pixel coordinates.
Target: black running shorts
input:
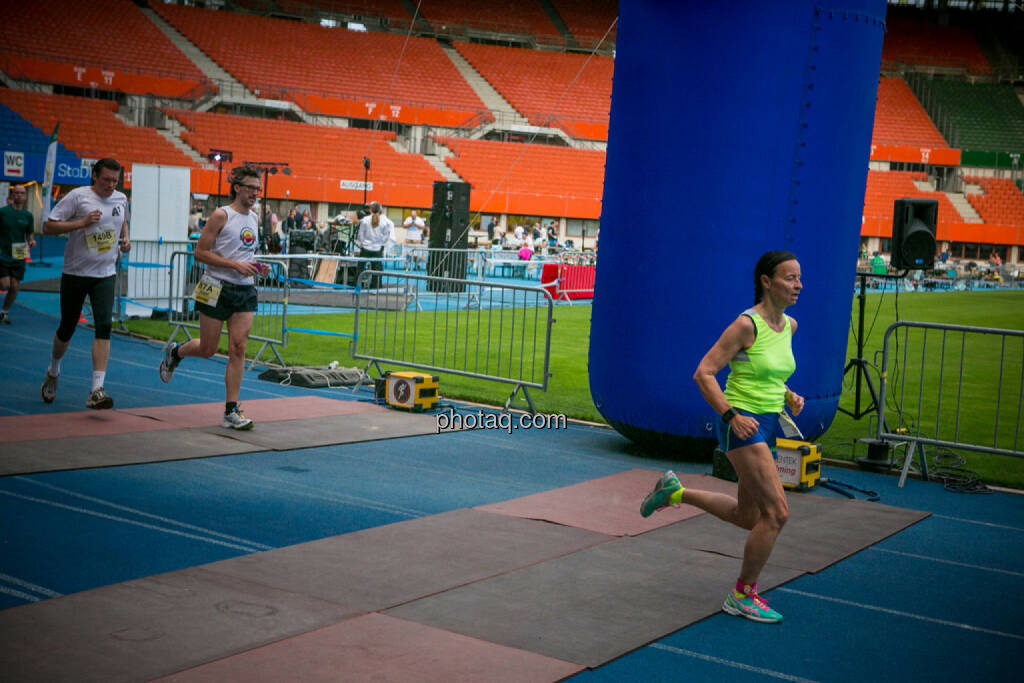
(233, 299)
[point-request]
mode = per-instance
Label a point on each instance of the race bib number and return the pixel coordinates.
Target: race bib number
(101, 241)
(207, 291)
(19, 251)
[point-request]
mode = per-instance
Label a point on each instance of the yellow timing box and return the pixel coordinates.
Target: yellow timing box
(799, 463)
(411, 390)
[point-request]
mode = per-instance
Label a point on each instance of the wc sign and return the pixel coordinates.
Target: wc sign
(14, 164)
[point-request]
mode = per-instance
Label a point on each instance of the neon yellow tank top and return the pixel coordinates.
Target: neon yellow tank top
(757, 376)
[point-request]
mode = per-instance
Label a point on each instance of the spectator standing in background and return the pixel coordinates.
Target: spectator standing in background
(414, 229)
(16, 227)
(376, 233)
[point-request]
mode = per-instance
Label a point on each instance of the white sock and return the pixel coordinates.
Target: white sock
(97, 379)
(54, 368)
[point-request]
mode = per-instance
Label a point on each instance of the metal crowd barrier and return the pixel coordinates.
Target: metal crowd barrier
(142, 284)
(481, 262)
(574, 277)
(935, 405)
(485, 330)
(270, 322)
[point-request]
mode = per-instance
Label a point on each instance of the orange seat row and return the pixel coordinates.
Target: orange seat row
(303, 62)
(999, 202)
(327, 158)
(107, 44)
(911, 40)
(549, 88)
(90, 128)
(529, 179)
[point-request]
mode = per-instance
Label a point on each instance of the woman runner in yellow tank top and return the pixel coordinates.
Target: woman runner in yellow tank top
(757, 346)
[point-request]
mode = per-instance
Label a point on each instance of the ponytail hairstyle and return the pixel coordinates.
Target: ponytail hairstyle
(375, 210)
(766, 265)
(237, 175)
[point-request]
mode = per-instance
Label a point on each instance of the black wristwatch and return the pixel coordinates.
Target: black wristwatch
(728, 415)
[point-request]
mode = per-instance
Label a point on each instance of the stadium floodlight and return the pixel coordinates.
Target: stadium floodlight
(219, 156)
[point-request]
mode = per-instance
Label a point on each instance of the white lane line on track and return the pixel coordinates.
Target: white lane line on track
(198, 375)
(19, 594)
(939, 559)
(134, 511)
(729, 662)
(911, 615)
(975, 521)
(114, 518)
(35, 588)
(245, 477)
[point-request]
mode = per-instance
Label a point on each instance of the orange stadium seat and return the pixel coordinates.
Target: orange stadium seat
(910, 40)
(900, 119)
(330, 70)
(549, 88)
(89, 128)
(322, 155)
(1000, 202)
(504, 16)
(588, 19)
(538, 180)
(391, 9)
(107, 44)
(885, 187)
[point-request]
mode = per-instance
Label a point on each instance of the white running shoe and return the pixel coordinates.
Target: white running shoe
(49, 388)
(99, 400)
(169, 362)
(236, 420)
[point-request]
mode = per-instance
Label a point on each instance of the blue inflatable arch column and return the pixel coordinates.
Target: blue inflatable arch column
(737, 127)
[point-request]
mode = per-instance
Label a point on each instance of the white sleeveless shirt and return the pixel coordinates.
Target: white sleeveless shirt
(236, 241)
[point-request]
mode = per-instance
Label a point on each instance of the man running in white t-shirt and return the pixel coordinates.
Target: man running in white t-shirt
(227, 292)
(95, 219)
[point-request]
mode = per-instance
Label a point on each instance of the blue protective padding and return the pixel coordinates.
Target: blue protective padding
(742, 127)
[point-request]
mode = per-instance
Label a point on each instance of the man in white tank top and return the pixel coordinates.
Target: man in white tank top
(227, 292)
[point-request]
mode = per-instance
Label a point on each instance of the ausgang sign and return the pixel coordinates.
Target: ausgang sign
(355, 185)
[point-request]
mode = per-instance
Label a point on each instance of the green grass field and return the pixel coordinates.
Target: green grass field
(569, 392)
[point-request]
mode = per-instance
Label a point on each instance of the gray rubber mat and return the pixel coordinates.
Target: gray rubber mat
(594, 605)
(139, 630)
(51, 285)
(327, 431)
(374, 647)
(385, 566)
(820, 532)
(151, 627)
(49, 455)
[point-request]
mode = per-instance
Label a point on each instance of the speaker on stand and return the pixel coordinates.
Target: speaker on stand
(449, 229)
(913, 233)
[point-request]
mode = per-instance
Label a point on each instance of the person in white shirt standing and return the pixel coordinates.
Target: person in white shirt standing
(415, 234)
(415, 228)
(376, 233)
(95, 219)
(227, 291)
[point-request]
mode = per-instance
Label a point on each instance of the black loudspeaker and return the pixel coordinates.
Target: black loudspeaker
(449, 229)
(298, 268)
(913, 233)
